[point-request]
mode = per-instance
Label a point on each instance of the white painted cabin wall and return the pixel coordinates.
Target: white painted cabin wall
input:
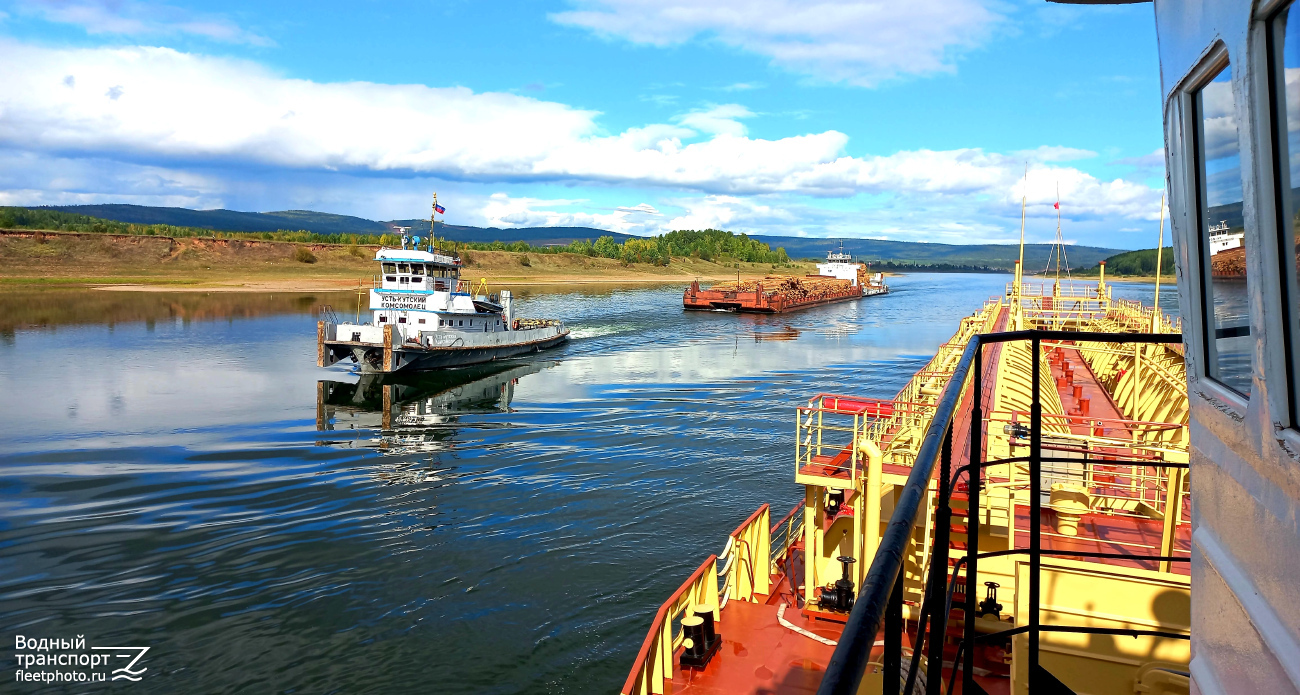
(1245, 468)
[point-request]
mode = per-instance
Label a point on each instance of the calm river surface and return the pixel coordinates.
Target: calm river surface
(176, 473)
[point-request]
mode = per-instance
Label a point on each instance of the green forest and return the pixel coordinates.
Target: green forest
(708, 244)
(1130, 263)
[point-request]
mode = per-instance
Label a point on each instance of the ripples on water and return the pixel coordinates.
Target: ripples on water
(181, 476)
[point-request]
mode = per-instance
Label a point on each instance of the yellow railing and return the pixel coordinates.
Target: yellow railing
(654, 663)
(817, 437)
(784, 534)
(747, 564)
(899, 435)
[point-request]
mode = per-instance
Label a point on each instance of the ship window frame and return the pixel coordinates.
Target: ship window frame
(1214, 64)
(1284, 209)
(403, 268)
(417, 269)
(389, 268)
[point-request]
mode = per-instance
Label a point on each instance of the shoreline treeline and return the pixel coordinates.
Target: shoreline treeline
(708, 244)
(1141, 262)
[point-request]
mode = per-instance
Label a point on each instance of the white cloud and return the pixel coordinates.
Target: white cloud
(643, 207)
(1153, 160)
(861, 42)
(121, 105)
(728, 212)
(502, 210)
(717, 120)
(140, 19)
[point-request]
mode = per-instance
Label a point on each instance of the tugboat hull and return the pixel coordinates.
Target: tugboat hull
(434, 352)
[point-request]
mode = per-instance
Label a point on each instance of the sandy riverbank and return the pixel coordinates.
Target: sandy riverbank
(154, 264)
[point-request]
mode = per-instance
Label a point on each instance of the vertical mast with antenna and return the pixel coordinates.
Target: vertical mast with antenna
(433, 238)
(1058, 231)
(1024, 198)
(1160, 250)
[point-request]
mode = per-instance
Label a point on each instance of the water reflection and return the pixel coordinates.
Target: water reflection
(51, 308)
(786, 332)
(416, 412)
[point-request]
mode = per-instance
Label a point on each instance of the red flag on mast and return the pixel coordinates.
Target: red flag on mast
(1057, 205)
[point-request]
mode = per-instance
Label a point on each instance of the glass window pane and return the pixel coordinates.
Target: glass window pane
(1289, 151)
(1223, 235)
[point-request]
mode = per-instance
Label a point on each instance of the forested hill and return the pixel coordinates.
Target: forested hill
(992, 256)
(894, 254)
(230, 220)
(1133, 263)
(536, 236)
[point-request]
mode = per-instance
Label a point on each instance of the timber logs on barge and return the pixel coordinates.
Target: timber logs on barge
(424, 316)
(839, 279)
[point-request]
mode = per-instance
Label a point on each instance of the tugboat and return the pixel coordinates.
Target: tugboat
(839, 279)
(839, 264)
(424, 316)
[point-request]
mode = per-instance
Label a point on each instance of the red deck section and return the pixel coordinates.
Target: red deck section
(759, 655)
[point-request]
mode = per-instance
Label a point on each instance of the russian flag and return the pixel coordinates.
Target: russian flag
(440, 209)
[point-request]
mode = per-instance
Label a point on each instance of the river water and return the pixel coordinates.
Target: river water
(177, 474)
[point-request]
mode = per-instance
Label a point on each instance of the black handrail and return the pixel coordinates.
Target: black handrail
(881, 597)
(849, 662)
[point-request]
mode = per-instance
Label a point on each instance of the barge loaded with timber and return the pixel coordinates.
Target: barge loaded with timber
(839, 279)
(1064, 564)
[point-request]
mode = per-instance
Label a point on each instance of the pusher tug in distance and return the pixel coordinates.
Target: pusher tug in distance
(839, 279)
(424, 316)
(1073, 406)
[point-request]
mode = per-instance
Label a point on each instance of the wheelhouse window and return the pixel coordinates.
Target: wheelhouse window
(417, 268)
(1228, 345)
(390, 268)
(404, 268)
(1284, 69)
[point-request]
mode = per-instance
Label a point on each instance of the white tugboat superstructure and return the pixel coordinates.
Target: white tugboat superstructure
(840, 264)
(423, 316)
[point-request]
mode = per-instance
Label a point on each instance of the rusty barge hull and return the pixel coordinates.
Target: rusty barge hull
(756, 303)
(777, 294)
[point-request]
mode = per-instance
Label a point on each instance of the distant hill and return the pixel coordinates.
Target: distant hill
(229, 220)
(997, 256)
(974, 256)
(1137, 263)
(537, 236)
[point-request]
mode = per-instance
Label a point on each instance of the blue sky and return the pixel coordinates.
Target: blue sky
(911, 121)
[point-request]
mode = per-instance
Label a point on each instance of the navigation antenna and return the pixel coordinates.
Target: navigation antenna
(1024, 198)
(433, 237)
(1059, 244)
(1160, 249)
